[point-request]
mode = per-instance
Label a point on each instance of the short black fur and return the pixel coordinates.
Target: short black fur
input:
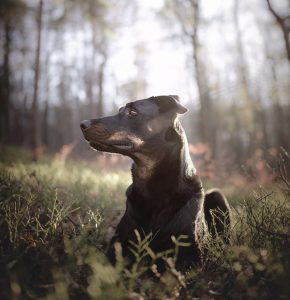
(166, 197)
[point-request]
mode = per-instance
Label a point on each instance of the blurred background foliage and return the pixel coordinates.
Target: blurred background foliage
(65, 61)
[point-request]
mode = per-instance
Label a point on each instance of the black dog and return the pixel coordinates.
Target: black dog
(166, 197)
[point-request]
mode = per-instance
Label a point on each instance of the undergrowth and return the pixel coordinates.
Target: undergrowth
(56, 219)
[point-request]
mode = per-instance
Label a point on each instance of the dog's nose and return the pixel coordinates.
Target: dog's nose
(85, 124)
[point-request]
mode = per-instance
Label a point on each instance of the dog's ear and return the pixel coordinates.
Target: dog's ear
(171, 102)
(180, 107)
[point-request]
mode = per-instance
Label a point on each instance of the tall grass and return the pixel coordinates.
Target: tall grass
(56, 220)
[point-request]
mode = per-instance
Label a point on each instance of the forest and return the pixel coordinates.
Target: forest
(64, 61)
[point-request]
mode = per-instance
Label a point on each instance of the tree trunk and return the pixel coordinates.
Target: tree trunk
(34, 109)
(236, 136)
(242, 67)
(100, 105)
(45, 125)
(262, 121)
(5, 86)
(278, 119)
(92, 74)
(206, 126)
(248, 106)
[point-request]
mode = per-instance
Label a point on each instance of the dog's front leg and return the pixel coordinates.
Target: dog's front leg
(124, 233)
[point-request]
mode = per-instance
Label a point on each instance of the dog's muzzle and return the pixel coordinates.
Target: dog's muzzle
(85, 124)
(100, 138)
(94, 130)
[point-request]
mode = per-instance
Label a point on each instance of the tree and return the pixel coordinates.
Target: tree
(34, 108)
(9, 9)
(245, 110)
(5, 83)
(284, 24)
(280, 109)
(188, 15)
(96, 14)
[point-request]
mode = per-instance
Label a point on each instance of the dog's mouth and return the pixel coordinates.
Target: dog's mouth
(112, 146)
(123, 145)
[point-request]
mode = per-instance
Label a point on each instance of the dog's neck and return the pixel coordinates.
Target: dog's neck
(174, 163)
(163, 182)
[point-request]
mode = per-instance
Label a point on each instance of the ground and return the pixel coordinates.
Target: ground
(57, 216)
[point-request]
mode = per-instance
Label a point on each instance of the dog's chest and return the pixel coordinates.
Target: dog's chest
(169, 214)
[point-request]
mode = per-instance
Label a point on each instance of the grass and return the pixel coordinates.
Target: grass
(57, 217)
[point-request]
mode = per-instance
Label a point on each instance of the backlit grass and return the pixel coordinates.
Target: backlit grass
(57, 217)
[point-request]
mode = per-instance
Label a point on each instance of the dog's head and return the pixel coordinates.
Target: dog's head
(138, 126)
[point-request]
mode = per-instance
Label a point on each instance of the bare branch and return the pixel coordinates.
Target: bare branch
(274, 13)
(282, 21)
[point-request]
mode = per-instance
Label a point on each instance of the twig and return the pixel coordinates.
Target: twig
(282, 235)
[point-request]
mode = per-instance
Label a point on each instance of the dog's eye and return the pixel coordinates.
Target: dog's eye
(131, 112)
